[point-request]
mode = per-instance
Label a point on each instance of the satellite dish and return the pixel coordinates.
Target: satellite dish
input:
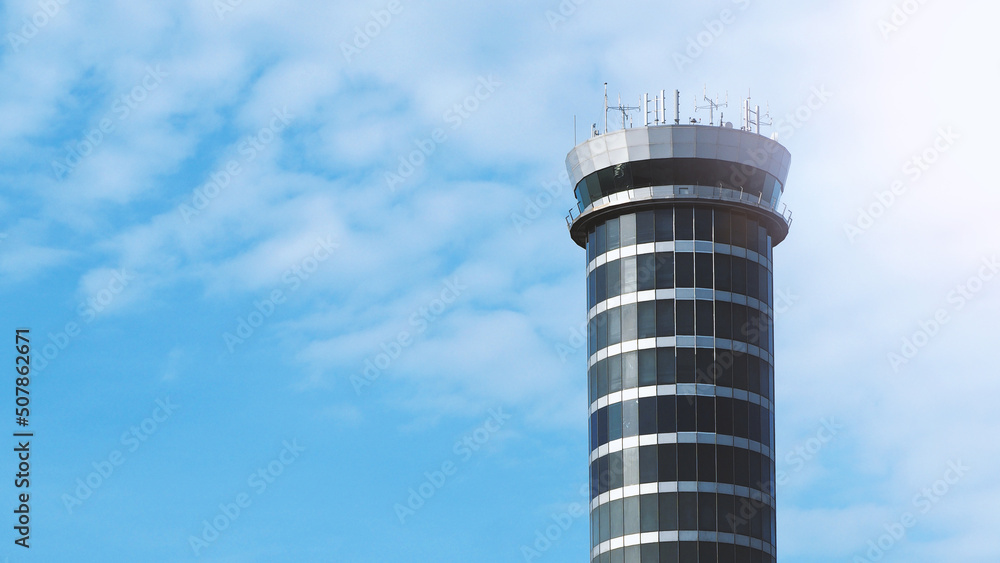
(729, 125)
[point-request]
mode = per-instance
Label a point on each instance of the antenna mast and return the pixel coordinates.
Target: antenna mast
(605, 107)
(752, 117)
(712, 106)
(626, 117)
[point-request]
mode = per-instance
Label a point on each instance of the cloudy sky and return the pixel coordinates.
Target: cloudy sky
(299, 285)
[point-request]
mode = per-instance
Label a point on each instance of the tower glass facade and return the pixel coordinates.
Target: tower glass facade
(680, 344)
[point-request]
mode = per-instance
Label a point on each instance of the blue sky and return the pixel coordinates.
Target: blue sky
(300, 287)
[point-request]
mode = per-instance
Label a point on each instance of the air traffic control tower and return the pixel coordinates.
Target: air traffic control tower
(679, 221)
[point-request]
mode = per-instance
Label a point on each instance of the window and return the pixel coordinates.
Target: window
(723, 272)
(630, 370)
(614, 270)
(723, 319)
(706, 517)
(665, 369)
(739, 370)
(601, 283)
(686, 365)
(666, 414)
(615, 421)
(645, 227)
(721, 226)
(704, 314)
(649, 507)
(664, 224)
(631, 515)
(665, 317)
(753, 280)
(683, 223)
(646, 319)
(668, 516)
(614, 373)
(630, 323)
(664, 270)
(647, 418)
(706, 417)
(685, 269)
(687, 462)
(614, 234)
(647, 455)
(687, 505)
(685, 317)
(687, 414)
(724, 464)
(738, 231)
(741, 418)
(752, 235)
(600, 323)
(629, 274)
(739, 274)
(724, 416)
(702, 223)
(614, 326)
(703, 270)
(628, 229)
(647, 367)
(645, 271)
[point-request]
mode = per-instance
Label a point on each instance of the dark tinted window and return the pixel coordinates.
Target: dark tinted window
(645, 227)
(664, 224)
(683, 223)
(684, 276)
(702, 224)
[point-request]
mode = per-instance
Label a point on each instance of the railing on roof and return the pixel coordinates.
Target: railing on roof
(683, 192)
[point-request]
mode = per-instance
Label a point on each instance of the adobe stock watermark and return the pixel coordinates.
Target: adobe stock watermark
(121, 108)
(32, 26)
(957, 298)
(899, 16)
(293, 278)
(713, 29)
(132, 439)
(88, 310)
(913, 169)
(225, 7)
(455, 117)
(463, 449)
(750, 507)
(785, 127)
(562, 521)
(258, 482)
(565, 10)
(365, 34)
(420, 320)
(543, 199)
(924, 501)
(754, 330)
(808, 450)
(249, 148)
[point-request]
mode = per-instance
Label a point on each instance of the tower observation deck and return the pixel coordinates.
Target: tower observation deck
(679, 222)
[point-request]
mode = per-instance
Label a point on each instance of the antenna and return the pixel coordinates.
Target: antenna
(605, 107)
(626, 116)
(712, 106)
(752, 117)
(677, 106)
(663, 106)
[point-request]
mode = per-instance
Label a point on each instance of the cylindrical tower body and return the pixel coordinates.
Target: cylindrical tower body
(678, 222)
